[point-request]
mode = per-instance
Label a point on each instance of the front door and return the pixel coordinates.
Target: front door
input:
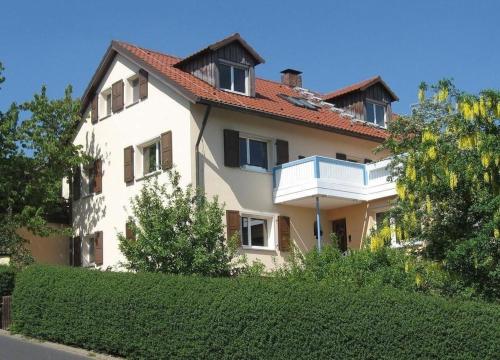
(339, 228)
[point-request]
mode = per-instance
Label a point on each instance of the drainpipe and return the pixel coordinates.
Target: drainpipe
(318, 224)
(197, 146)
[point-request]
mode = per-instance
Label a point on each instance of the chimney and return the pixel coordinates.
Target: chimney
(291, 77)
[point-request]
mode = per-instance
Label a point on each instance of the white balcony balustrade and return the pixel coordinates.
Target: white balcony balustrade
(299, 182)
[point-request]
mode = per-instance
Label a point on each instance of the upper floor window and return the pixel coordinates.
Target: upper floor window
(253, 153)
(151, 157)
(375, 113)
(133, 90)
(233, 78)
(106, 103)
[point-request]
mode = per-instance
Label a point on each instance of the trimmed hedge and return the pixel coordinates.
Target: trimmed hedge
(7, 280)
(154, 316)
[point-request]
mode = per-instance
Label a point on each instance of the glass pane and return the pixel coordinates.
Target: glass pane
(370, 115)
(380, 114)
(108, 104)
(135, 90)
(152, 158)
(243, 151)
(244, 230)
(91, 250)
(224, 76)
(91, 179)
(239, 80)
(258, 232)
(258, 153)
(379, 218)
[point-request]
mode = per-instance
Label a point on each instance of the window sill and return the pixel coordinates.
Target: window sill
(105, 117)
(87, 196)
(132, 104)
(151, 174)
(255, 169)
(234, 92)
(258, 248)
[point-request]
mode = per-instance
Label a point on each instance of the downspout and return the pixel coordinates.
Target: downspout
(197, 146)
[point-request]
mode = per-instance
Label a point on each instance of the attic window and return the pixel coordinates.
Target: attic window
(300, 102)
(375, 113)
(233, 78)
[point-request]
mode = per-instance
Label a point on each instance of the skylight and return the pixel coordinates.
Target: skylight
(300, 102)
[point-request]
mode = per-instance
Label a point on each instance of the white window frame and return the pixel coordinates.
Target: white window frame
(271, 230)
(87, 244)
(103, 106)
(130, 90)
(374, 104)
(239, 66)
(141, 147)
(249, 137)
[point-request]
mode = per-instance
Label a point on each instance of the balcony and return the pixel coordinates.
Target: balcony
(337, 182)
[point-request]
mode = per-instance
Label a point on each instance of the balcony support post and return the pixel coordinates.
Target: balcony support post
(318, 224)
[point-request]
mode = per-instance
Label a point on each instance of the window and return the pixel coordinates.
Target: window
(90, 176)
(300, 102)
(133, 90)
(233, 78)
(253, 153)
(106, 103)
(254, 232)
(375, 113)
(150, 157)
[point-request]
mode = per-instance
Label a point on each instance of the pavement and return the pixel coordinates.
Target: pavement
(17, 347)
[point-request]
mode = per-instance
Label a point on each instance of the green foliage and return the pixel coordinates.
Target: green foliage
(447, 161)
(178, 231)
(157, 316)
(7, 280)
(36, 153)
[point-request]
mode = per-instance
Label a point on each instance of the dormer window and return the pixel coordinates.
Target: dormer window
(233, 78)
(375, 113)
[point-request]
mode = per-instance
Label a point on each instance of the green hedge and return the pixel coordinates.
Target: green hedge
(153, 316)
(7, 278)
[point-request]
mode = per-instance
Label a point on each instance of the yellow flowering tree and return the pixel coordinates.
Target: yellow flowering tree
(446, 162)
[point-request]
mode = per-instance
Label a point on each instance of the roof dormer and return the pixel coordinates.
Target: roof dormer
(228, 65)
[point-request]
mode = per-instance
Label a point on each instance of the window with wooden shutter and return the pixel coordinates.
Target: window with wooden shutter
(341, 156)
(117, 96)
(77, 181)
(231, 148)
(284, 233)
(94, 113)
(281, 152)
(143, 84)
(98, 248)
(128, 164)
(233, 223)
(98, 176)
(166, 150)
(129, 231)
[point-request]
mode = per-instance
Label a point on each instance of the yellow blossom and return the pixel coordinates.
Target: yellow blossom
(411, 173)
(407, 266)
(475, 108)
(411, 198)
(496, 233)
(428, 136)
(485, 159)
(418, 280)
(453, 180)
(486, 176)
(428, 204)
(466, 142)
(482, 107)
(421, 95)
(401, 190)
(442, 95)
(498, 110)
(432, 153)
(376, 243)
(434, 179)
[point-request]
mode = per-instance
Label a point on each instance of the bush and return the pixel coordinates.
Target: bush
(157, 316)
(383, 267)
(7, 277)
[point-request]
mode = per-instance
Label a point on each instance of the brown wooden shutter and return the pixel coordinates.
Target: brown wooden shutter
(143, 84)
(128, 164)
(284, 233)
(129, 231)
(233, 223)
(231, 148)
(77, 251)
(94, 113)
(281, 152)
(341, 156)
(166, 150)
(98, 176)
(117, 96)
(77, 180)
(98, 248)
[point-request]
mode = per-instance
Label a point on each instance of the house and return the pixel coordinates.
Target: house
(290, 164)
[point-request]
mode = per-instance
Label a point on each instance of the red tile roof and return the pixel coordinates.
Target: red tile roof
(266, 102)
(359, 86)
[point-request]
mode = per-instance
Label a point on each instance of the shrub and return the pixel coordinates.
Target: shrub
(157, 316)
(7, 277)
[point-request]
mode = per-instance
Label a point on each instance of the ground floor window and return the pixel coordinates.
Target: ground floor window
(88, 250)
(254, 231)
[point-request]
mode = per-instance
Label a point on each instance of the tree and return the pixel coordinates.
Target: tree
(447, 161)
(178, 231)
(36, 153)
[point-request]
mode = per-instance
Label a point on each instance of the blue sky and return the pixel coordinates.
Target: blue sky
(334, 43)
